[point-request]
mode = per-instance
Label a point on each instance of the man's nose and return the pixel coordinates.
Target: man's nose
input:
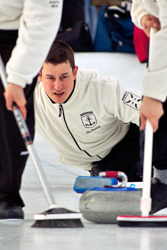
(57, 85)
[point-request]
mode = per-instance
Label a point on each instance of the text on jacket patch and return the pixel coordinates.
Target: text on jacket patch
(54, 3)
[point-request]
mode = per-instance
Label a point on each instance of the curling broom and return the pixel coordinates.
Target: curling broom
(145, 205)
(54, 217)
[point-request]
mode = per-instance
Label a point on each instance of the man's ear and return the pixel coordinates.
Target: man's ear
(40, 76)
(75, 72)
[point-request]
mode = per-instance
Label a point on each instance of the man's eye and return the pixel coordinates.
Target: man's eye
(64, 77)
(50, 78)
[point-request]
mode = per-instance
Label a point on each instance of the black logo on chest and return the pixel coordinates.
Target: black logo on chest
(88, 119)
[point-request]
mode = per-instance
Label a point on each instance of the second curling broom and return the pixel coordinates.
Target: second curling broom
(145, 205)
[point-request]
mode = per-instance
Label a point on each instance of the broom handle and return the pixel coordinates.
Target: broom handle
(28, 142)
(145, 205)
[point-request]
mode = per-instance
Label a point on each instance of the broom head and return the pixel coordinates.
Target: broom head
(58, 218)
(142, 221)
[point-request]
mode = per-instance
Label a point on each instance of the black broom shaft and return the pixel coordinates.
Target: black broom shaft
(28, 142)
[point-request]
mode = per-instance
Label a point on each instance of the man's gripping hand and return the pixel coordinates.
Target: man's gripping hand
(148, 22)
(14, 93)
(152, 110)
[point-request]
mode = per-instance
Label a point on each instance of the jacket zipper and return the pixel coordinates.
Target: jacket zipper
(61, 111)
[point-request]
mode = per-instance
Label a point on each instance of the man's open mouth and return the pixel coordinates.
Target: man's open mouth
(60, 93)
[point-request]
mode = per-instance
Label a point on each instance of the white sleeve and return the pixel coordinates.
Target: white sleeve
(137, 12)
(155, 77)
(128, 104)
(39, 25)
(121, 101)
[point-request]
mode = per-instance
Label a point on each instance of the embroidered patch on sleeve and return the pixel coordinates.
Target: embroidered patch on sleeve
(132, 100)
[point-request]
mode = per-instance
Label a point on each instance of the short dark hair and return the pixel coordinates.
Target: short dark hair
(60, 52)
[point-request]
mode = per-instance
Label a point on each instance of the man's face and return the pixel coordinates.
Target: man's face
(58, 80)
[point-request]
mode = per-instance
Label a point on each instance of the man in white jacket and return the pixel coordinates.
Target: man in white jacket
(91, 120)
(147, 14)
(27, 30)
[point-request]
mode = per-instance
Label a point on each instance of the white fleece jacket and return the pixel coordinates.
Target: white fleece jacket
(38, 22)
(155, 77)
(93, 120)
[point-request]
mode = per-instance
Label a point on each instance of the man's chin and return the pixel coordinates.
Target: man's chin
(58, 98)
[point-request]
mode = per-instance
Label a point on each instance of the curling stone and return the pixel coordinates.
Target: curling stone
(104, 204)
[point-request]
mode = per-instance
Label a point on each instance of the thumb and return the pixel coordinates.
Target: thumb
(9, 102)
(142, 122)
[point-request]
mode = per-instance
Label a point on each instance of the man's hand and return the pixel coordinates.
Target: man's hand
(149, 21)
(15, 93)
(152, 110)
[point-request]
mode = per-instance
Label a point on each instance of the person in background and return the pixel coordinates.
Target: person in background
(27, 30)
(147, 14)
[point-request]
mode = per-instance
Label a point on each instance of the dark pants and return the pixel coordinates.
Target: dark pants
(12, 163)
(127, 155)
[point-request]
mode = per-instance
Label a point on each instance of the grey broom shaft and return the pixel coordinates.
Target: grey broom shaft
(41, 174)
(28, 142)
